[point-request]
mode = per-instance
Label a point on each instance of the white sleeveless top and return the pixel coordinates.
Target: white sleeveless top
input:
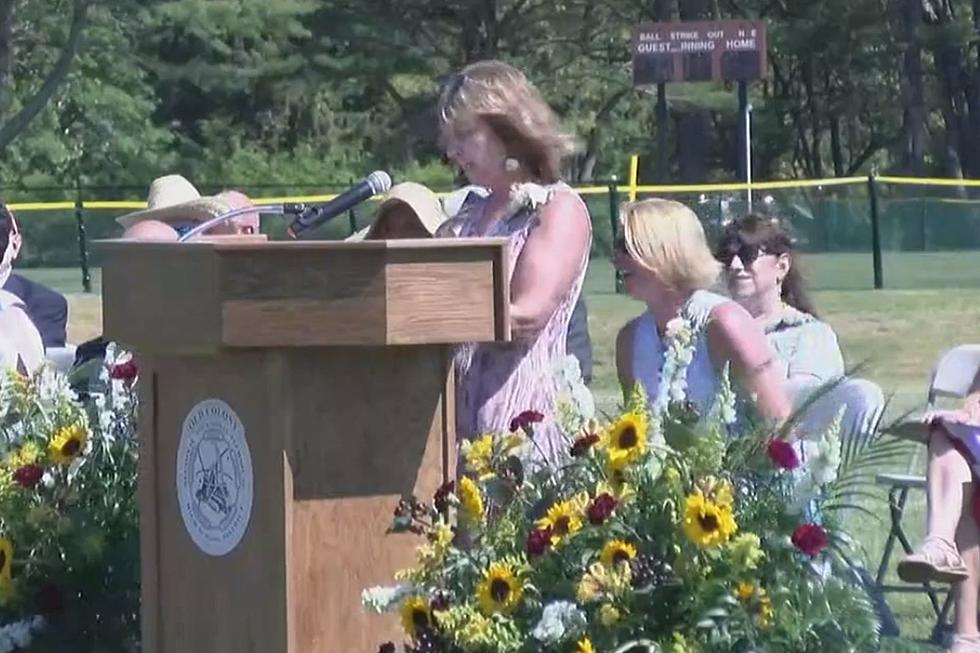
(703, 379)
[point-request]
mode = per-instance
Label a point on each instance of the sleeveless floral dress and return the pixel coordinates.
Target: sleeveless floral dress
(495, 382)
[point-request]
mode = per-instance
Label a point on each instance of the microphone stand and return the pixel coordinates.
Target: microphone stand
(273, 209)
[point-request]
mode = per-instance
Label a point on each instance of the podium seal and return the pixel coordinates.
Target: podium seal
(214, 477)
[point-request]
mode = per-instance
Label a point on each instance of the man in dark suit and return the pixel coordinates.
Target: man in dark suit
(46, 308)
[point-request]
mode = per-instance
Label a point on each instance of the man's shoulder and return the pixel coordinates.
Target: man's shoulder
(31, 291)
(17, 285)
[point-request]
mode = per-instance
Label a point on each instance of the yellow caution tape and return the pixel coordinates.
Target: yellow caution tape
(630, 190)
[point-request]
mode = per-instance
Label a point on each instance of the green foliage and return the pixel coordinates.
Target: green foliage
(251, 92)
(68, 508)
(714, 537)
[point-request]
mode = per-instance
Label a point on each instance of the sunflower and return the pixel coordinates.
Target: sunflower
(67, 443)
(626, 439)
(416, 615)
(6, 562)
(28, 454)
(617, 551)
(707, 523)
(584, 646)
(756, 600)
(471, 499)
(601, 581)
(608, 615)
(564, 518)
(500, 590)
(718, 491)
(478, 456)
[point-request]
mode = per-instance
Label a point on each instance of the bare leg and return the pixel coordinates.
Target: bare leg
(950, 495)
(949, 491)
(965, 597)
(949, 481)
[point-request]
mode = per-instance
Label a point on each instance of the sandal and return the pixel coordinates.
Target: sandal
(962, 644)
(937, 559)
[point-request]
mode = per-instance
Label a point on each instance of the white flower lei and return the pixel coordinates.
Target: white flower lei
(680, 340)
(528, 196)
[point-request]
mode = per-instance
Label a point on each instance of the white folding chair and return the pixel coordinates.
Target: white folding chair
(952, 377)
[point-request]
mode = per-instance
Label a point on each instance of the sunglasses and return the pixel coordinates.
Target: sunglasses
(745, 252)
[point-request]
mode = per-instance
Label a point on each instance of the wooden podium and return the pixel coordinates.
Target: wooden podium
(290, 394)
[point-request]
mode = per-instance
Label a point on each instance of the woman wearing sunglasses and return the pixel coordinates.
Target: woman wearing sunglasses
(762, 275)
(666, 264)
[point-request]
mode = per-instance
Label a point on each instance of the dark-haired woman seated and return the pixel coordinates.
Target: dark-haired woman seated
(763, 275)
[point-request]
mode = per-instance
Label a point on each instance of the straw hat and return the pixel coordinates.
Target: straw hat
(420, 199)
(423, 202)
(174, 199)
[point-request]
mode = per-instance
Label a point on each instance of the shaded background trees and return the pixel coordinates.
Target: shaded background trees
(114, 92)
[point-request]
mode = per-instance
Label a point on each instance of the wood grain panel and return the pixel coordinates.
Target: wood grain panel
(234, 603)
(147, 496)
(303, 322)
(370, 427)
(312, 273)
(154, 301)
(440, 302)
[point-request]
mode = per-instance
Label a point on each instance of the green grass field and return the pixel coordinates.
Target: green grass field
(895, 334)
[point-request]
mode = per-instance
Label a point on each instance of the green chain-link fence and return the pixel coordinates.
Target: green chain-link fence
(855, 233)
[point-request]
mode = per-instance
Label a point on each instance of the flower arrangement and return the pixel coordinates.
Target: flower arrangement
(657, 532)
(69, 556)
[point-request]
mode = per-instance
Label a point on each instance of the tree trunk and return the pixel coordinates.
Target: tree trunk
(59, 71)
(908, 15)
(816, 131)
(6, 50)
(585, 171)
(836, 152)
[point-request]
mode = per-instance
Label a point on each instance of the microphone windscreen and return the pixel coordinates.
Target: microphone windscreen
(379, 181)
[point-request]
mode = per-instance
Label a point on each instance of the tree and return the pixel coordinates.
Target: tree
(17, 87)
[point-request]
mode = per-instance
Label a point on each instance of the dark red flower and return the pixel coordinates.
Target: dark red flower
(124, 371)
(441, 498)
(582, 445)
(601, 508)
(811, 539)
(538, 541)
(440, 602)
(27, 476)
(782, 454)
(50, 600)
(525, 420)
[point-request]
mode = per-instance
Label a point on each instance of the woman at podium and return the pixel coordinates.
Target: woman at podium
(498, 129)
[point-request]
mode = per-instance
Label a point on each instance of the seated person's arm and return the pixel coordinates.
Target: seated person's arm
(735, 338)
(818, 357)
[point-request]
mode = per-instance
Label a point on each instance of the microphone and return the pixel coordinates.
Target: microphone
(375, 183)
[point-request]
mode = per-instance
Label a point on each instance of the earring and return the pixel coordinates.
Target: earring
(511, 164)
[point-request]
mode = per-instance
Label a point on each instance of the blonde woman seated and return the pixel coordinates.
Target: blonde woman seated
(950, 552)
(666, 264)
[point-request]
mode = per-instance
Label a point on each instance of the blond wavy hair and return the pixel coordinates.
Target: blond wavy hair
(506, 101)
(667, 238)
